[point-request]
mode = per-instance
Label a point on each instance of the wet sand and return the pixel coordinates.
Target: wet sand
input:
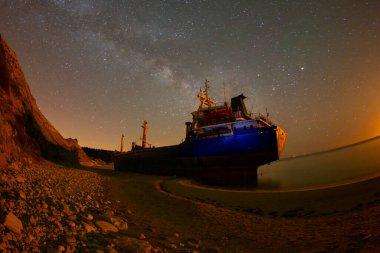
(318, 200)
(339, 218)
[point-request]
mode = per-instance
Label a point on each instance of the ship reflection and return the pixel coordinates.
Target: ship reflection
(330, 167)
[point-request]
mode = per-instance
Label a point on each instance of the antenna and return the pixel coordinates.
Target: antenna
(206, 91)
(266, 110)
(224, 92)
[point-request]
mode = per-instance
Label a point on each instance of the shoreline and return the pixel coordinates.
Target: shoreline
(329, 199)
(191, 183)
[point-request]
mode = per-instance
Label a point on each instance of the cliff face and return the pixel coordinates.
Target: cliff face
(24, 131)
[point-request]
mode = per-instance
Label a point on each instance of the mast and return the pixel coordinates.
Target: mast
(145, 129)
(122, 143)
(206, 92)
(204, 98)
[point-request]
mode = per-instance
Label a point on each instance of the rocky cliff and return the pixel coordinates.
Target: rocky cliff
(24, 131)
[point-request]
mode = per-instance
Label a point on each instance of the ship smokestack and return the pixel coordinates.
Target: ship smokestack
(122, 143)
(145, 128)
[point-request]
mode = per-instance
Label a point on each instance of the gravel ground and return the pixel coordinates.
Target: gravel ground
(49, 208)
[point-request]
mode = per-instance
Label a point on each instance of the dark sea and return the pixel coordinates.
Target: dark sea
(338, 165)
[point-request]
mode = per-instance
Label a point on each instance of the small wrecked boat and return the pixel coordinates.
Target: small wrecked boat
(223, 143)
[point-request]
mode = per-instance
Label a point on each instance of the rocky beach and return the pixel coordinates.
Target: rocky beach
(46, 207)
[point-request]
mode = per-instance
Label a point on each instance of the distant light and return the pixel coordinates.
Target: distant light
(302, 68)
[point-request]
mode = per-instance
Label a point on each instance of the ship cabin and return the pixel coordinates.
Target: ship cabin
(213, 115)
(223, 120)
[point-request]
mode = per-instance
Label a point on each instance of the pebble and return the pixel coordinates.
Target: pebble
(90, 217)
(4, 179)
(88, 227)
(128, 244)
(20, 179)
(70, 239)
(110, 249)
(72, 224)
(66, 209)
(13, 223)
(61, 249)
(106, 226)
(22, 194)
(59, 225)
(123, 226)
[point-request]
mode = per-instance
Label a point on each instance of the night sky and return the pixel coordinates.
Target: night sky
(99, 68)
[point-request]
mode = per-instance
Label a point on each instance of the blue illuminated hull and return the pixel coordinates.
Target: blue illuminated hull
(241, 151)
(245, 141)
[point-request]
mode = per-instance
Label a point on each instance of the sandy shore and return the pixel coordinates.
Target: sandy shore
(65, 210)
(335, 219)
(319, 200)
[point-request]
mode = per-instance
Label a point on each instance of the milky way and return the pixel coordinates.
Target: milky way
(99, 68)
